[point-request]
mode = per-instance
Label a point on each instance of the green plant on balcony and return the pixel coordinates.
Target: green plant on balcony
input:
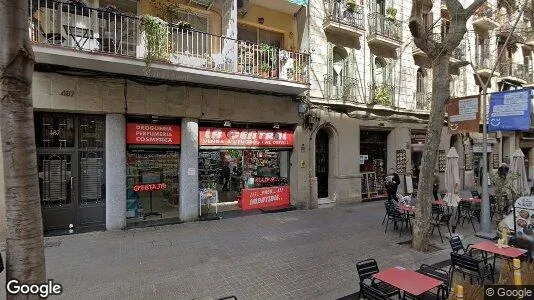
(351, 5)
(210, 63)
(381, 95)
(156, 33)
(391, 13)
(265, 69)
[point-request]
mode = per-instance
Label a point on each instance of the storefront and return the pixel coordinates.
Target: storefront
(152, 169)
(243, 168)
(373, 161)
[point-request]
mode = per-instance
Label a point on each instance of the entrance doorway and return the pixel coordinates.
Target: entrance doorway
(70, 157)
(321, 162)
(373, 154)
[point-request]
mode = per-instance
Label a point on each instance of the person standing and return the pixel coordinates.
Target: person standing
(503, 170)
(225, 172)
(435, 187)
(392, 183)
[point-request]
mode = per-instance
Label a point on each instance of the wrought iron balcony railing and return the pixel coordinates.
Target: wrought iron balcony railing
(382, 93)
(484, 61)
(385, 26)
(345, 12)
(459, 53)
(106, 31)
(422, 100)
(342, 88)
(485, 11)
(507, 68)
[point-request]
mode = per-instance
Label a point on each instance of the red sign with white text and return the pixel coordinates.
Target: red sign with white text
(264, 197)
(152, 134)
(149, 187)
(245, 137)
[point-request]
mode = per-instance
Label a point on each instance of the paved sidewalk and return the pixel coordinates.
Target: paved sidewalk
(308, 254)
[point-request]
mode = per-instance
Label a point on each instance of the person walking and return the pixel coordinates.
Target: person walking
(226, 173)
(392, 183)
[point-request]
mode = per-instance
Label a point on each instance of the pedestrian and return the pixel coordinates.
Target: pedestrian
(503, 170)
(435, 187)
(392, 183)
(225, 172)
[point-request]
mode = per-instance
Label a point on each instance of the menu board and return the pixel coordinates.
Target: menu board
(524, 217)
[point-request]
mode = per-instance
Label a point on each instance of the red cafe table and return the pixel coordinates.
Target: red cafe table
(472, 200)
(440, 202)
(506, 252)
(408, 280)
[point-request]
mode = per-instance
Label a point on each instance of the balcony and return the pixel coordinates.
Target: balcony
(484, 65)
(344, 18)
(507, 22)
(514, 72)
(458, 54)
(384, 31)
(381, 94)
(485, 18)
(422, 100)
(103, 40)
(343, 90)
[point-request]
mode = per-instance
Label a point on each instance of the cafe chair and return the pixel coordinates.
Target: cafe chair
(397, 217)
(443, 220)
(390, 204)
(465, 212)
(369, 292)
(366, 269)
(457, 246)
(437, 210)
(468, 265)
(441, 292)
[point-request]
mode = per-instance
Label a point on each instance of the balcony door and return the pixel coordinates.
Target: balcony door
(257, 35)
(70, 157)
(322, 162)
(340, 70)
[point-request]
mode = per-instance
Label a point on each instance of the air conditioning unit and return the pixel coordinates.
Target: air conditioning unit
(242, 7)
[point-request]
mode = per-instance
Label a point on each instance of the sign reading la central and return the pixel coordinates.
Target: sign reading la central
(245, 137)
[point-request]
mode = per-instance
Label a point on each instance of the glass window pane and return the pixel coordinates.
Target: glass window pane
(247, 33)
(92, 185)
(91, 132)
(54, 131)
(271, 38)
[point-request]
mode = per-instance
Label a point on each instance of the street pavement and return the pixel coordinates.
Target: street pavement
(304, 254)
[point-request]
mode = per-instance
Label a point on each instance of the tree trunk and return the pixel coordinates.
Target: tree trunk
(24, 253)
(440, 94)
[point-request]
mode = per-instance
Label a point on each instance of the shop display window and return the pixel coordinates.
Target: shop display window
(224, 174)
(152, 184)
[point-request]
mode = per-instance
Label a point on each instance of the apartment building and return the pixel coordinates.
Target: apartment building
(147, 112)
(371, 90)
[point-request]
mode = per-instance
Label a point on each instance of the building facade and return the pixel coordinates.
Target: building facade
(371, 91)
(147, 112)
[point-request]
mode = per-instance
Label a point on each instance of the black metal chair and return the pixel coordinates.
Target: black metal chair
(443, 220)
(366, 269)
(475, 194)
(390, 204)
(397, 217)
(442, 291)
(465, 212)
(468, 265)
(369, 292)
(437, 210)
(457, 246)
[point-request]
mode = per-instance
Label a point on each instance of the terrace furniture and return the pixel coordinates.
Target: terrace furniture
(442, 220)
(470, 266)
(371, 293)
(366, 269)
(390, 204)
(396, 216)
(465, 212)
(506, 252)
(409, 281)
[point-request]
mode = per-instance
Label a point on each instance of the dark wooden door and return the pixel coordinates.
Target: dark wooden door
(321, 163)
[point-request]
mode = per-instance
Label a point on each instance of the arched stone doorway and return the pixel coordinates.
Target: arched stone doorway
(322, 162)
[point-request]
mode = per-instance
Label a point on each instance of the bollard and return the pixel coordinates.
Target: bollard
(517, 271)
(459, 292)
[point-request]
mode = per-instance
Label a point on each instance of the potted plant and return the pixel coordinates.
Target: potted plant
(274, 72)
(381, 95)
(184, 25)
(156, 33)
(391, 13)
(210, 63)
(265, 69)
(351, 5)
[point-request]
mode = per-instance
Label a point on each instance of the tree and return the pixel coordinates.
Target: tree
(24, 241)
(439, 53)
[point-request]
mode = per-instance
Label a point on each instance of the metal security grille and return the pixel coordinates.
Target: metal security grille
(91, 177)
(54, 176)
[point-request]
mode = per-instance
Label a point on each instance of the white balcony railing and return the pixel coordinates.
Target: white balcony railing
(108, 31)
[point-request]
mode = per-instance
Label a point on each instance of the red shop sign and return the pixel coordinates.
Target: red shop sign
(245, 137)
(149, 187)
(152, 134)
(264, 197)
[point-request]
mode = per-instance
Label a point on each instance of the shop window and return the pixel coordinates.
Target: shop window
(260, 36)
(225, 174)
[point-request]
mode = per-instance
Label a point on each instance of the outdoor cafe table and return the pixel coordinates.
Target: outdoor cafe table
(506, 252)
(472, 200)
(440, 202)
(407, 208)
(407, 280)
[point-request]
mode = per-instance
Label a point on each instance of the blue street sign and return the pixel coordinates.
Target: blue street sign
(510, 111)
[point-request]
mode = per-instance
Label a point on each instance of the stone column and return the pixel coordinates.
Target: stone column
(115, 171)
(189, 201)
